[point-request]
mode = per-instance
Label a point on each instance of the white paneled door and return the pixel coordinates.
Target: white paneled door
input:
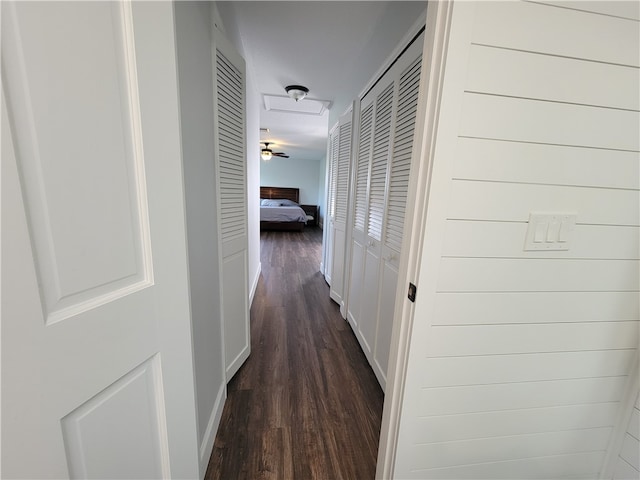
(231, 176)
(97, 377)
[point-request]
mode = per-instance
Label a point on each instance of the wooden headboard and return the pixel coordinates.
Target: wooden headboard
(280, 192)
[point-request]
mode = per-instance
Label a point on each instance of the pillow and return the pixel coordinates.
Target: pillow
(281, 202)
(270, 203)
(287, 203)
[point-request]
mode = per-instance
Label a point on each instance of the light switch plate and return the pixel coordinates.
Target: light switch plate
(550, 231)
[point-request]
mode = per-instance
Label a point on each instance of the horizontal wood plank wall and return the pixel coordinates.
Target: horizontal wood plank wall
(524, 357)
(628, 462)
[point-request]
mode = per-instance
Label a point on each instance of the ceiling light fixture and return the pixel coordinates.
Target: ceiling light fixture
(297, 92)
(266, 154)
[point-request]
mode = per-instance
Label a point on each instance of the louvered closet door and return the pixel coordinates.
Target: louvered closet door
(400, 167)
(375, 214)
(332, 162)
(383, 162)
(341, 208)
(360, 201)
(229, 137)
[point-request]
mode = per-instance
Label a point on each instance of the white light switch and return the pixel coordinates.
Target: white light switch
(553, 231)
(566, 227)
(549, 231)
(541, 233)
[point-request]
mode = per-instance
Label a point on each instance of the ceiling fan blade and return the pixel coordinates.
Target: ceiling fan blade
(280, 154)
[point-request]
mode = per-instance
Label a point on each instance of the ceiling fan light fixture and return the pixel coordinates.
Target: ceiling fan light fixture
(266, 154)
(297, 92)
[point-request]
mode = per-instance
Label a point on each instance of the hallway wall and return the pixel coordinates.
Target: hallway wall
(195, 83)
(289, 172)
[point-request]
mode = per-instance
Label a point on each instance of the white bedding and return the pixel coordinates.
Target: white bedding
(282, 214)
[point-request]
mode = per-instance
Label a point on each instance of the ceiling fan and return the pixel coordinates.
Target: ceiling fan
(266, 153)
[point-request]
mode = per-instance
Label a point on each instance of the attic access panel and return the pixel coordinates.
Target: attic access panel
(283, 103)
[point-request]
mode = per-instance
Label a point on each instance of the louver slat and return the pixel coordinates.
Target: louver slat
(364, 152)
(379, 162)
(342, 183)
(230, 98)
(402, 149)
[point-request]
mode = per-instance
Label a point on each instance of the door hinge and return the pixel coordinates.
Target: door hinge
(412, 292)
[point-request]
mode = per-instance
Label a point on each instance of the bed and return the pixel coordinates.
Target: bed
(280, 209)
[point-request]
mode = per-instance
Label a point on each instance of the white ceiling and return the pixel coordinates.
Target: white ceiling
(333, 48)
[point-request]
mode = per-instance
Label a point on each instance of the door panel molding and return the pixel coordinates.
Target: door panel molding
(90, 446)
(75, 276)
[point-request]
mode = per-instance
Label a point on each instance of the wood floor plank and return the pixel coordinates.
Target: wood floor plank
(305, 405)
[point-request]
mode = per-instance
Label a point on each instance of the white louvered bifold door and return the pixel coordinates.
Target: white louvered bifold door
(380, 183)
(360, 202)
(335, 144)
(399, 172)
(379, 164)
(401, 159)
(231, 181)
(332, 180)
(341, 206)
(381, 139)
(362, 175)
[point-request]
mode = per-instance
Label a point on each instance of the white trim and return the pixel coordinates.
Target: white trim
(349, 110)
(140, 179)
(434, 53)
(155, 363)
(254, 284)
(206, 446)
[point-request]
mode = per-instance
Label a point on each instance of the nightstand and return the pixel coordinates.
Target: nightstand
(312, 214)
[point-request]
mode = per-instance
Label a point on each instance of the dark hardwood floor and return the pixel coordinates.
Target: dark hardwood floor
(305, 405)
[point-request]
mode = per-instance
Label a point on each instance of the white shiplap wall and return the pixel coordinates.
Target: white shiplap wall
(519, 361)
(627, 466)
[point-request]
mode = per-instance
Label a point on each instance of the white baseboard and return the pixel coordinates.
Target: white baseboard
(206, 447)
(254, 284)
